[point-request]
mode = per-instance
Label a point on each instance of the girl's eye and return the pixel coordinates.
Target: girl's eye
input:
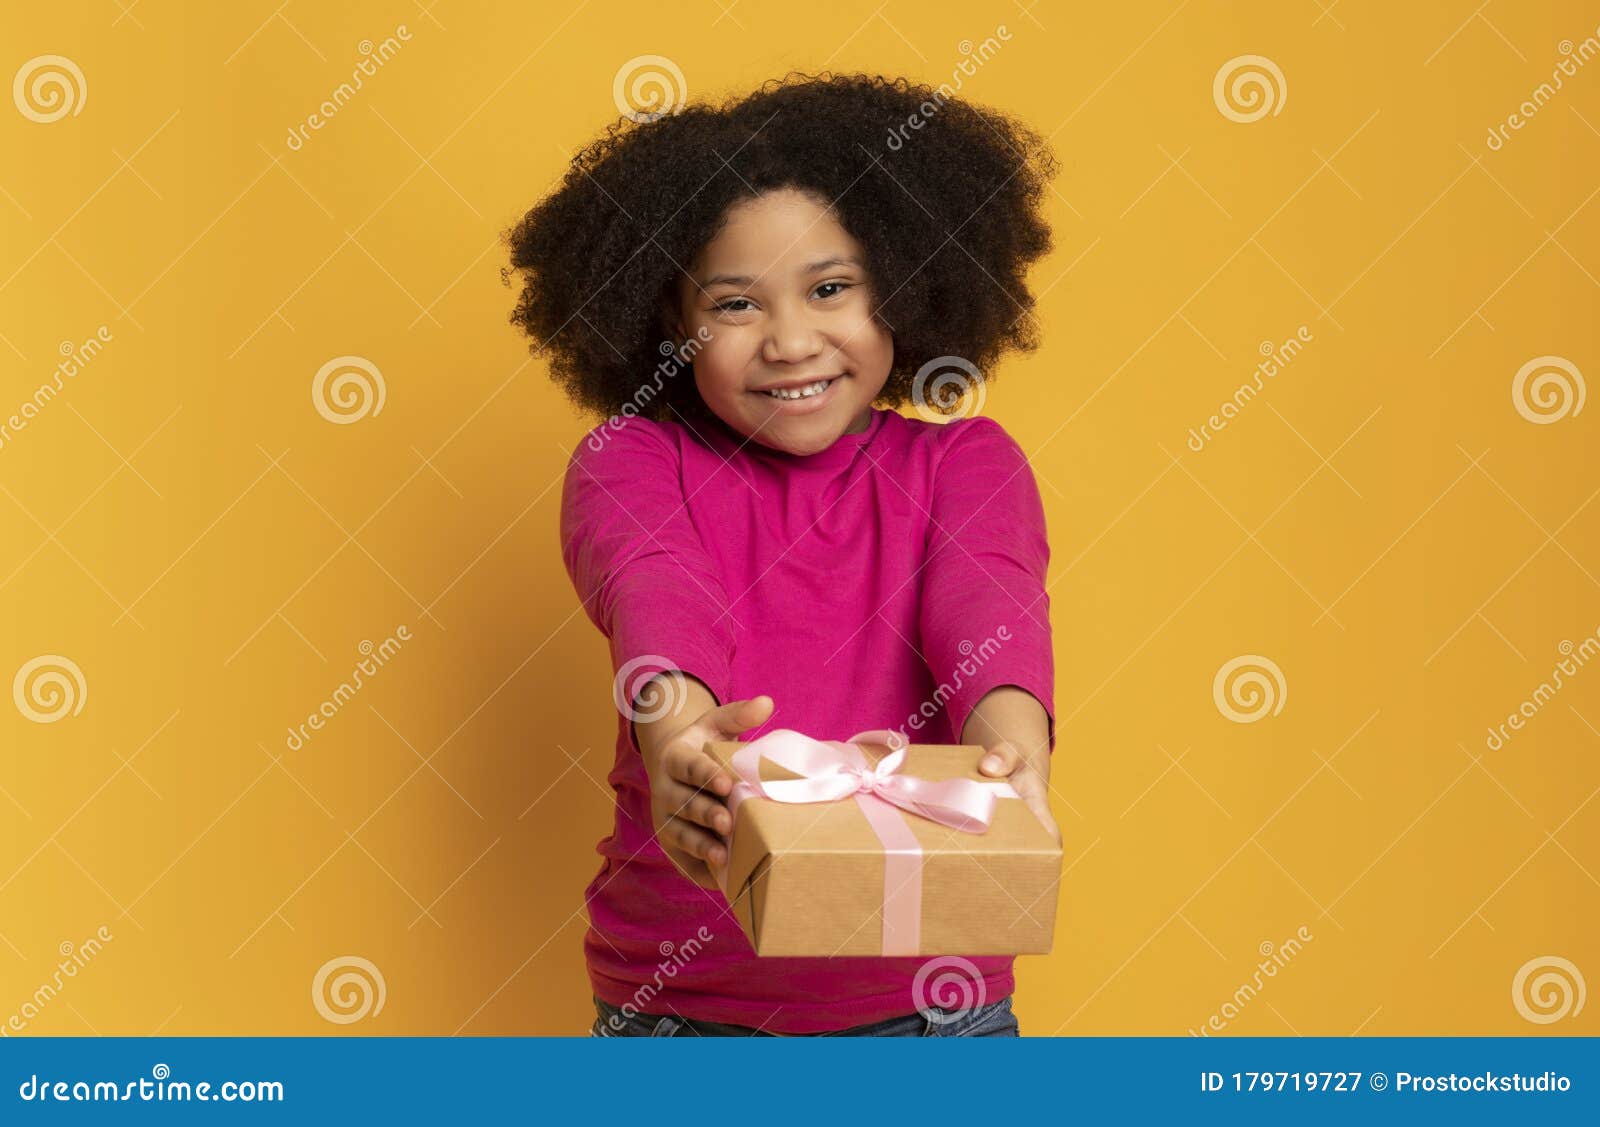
(742, 304)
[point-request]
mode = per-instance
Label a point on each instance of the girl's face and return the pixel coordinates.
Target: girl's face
(782, 293)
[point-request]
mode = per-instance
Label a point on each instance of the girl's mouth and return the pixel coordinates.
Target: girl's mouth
(804, 396)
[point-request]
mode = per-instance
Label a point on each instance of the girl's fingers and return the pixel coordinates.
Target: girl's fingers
(693, 840)
(686, 760)
(692, 766)
(1035, 796)
(1041, 811)
(696, 806)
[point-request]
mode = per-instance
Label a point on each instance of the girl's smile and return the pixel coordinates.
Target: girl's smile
(801, 395)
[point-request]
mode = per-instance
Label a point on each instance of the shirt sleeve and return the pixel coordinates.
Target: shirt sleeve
(985, 612)
(638, 563)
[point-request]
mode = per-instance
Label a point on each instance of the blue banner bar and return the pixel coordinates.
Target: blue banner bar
(767, 1081)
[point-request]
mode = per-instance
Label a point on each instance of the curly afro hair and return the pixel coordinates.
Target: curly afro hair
(943, 195)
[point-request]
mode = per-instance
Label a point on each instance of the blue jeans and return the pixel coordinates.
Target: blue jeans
(992, 1020)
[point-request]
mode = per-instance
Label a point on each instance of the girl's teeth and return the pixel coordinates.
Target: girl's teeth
(800, 392)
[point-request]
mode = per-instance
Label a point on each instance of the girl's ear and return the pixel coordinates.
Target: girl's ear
(671, 320)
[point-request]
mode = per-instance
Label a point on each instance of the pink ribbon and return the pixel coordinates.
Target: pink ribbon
(832, 770)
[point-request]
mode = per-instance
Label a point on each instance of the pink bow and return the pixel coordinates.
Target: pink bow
(836, 769)
(831, 770)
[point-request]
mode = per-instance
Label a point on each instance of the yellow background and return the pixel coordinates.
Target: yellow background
(1381, 523)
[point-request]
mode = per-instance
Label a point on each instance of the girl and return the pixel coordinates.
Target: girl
(758, 535)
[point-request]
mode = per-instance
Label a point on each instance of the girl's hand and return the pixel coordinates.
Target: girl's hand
(687, 786)
(1030, 778)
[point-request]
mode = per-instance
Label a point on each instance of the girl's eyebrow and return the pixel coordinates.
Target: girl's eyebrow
(812, 268)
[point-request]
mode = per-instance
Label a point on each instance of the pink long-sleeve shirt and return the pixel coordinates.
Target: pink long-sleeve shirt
(889, 581)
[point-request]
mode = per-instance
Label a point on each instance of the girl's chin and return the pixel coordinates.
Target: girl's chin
(796, 436)
(797, 427)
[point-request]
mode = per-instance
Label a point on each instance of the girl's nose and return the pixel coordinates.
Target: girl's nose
(791, 338)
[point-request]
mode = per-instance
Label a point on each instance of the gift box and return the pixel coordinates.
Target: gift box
(870, 846)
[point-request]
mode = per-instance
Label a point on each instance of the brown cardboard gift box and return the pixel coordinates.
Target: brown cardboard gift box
(808, 878)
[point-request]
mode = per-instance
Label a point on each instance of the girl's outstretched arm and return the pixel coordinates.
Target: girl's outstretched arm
(637, 561)
(985, 610)
(985, 616)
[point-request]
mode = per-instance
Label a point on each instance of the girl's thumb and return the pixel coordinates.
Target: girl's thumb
(741, 715)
